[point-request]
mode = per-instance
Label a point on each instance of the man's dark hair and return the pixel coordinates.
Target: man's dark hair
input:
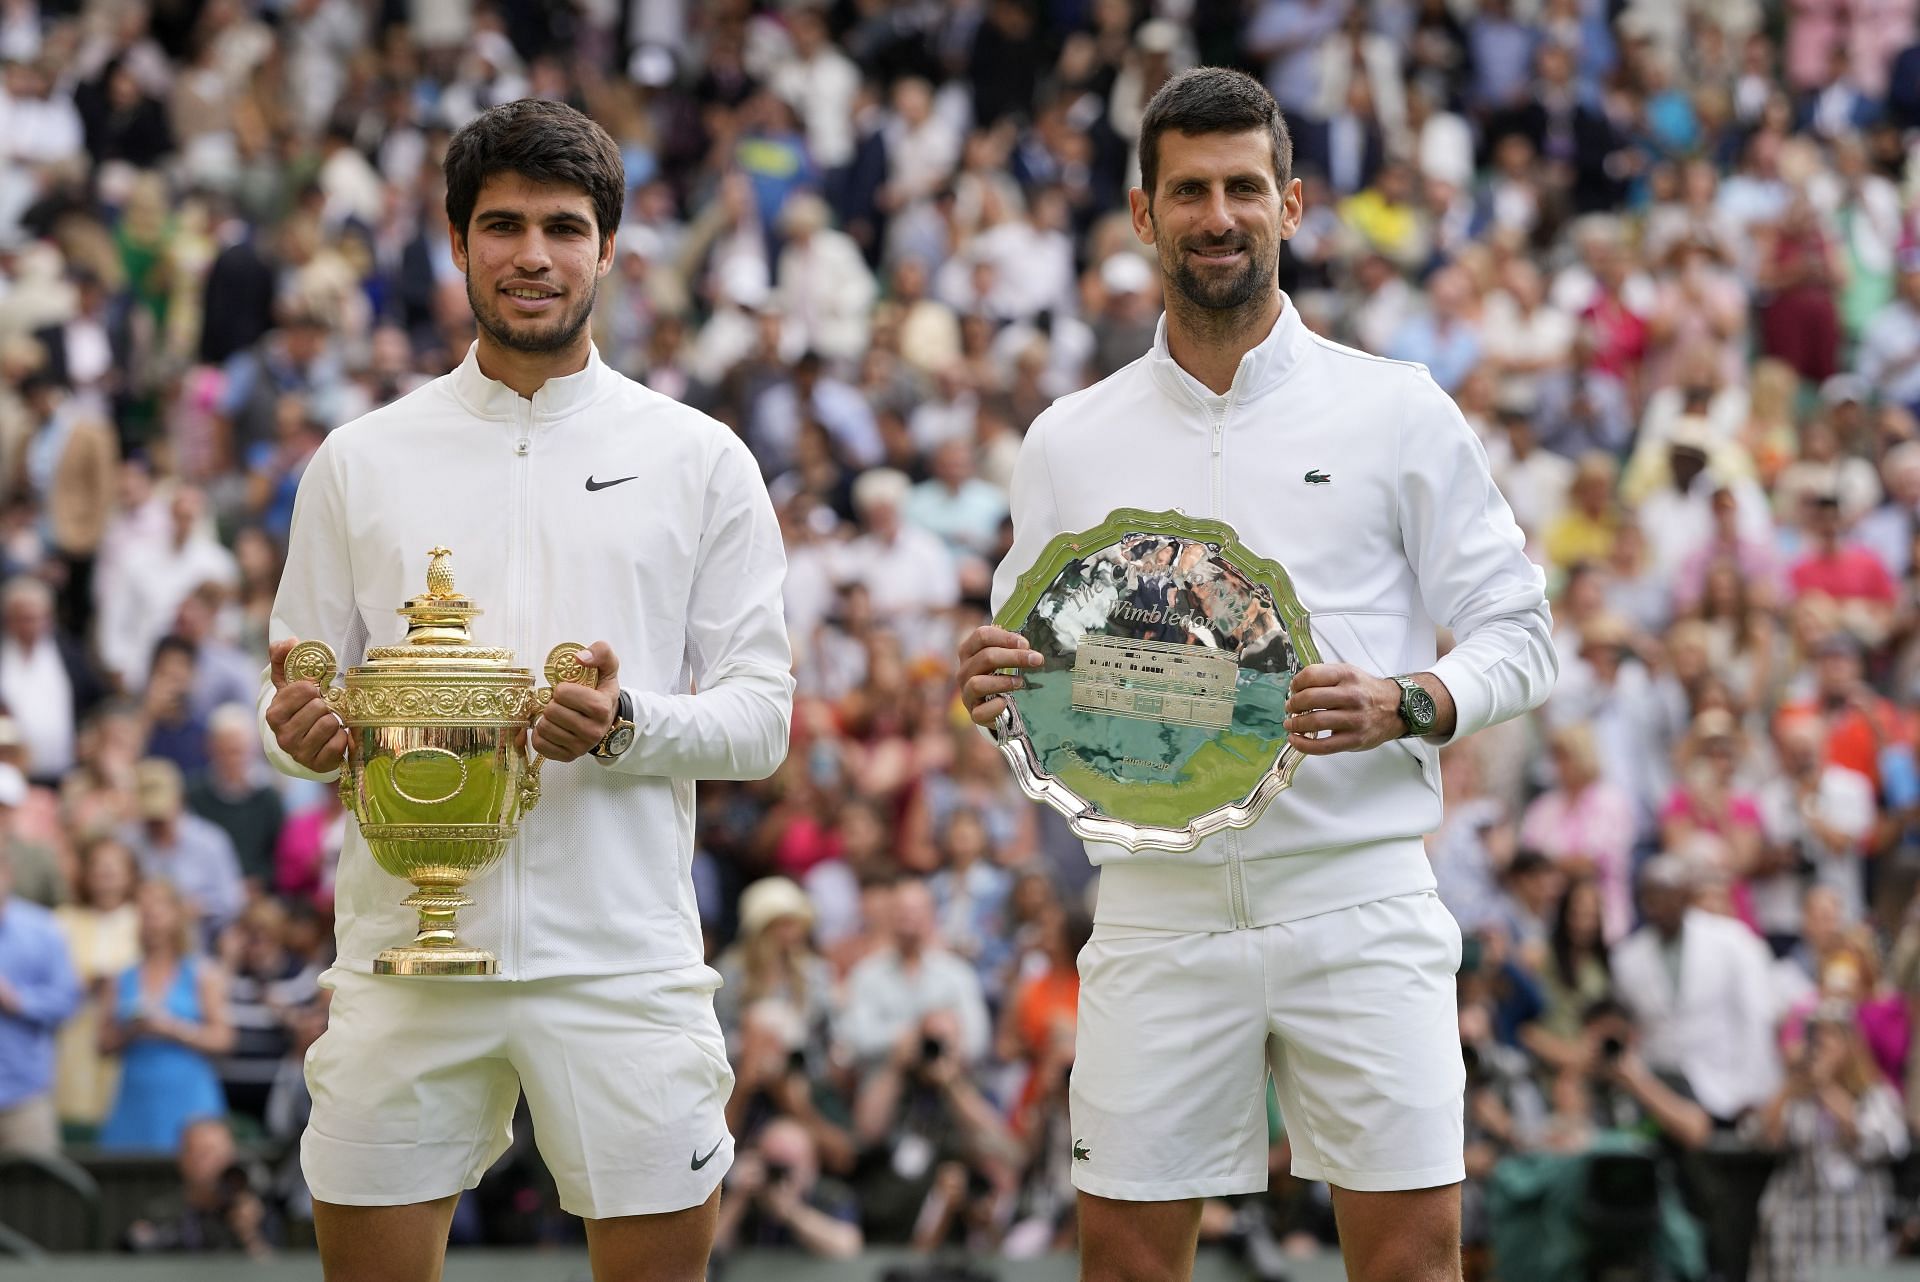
(545, 142)
(1525, 863)
(1603, 1008)
(1213, 100)
(174, 643)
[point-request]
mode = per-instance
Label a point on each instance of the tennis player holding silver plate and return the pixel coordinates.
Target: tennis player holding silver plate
(1302, 940)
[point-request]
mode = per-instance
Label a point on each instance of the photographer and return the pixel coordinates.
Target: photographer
(776, 1197)
(773, 1080)
(913, 976)
(1612, 1088)
(921, 1123)
(216, 1208)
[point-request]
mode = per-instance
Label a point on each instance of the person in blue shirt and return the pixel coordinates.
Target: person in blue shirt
(169, 1022)
(38, 992)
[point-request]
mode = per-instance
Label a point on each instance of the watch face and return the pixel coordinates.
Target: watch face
(1420, 707)
(622, 739)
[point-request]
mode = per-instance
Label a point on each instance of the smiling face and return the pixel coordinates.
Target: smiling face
(533, 258)
(1217, 217)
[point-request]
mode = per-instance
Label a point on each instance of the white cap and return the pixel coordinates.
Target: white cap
(1125, 273)
(651, 67)
(880, 486)
(1157, 35)
(743, 282)
(768, 900)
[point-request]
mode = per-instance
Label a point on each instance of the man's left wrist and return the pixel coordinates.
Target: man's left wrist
(1418, 710)
(620, 735)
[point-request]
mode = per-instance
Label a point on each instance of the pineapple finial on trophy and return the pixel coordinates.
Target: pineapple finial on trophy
(440, 574)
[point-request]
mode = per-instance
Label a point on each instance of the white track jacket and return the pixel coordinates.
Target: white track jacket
(597, 510)
(1404, 531)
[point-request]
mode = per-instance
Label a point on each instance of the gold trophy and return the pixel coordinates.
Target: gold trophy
(438, 771)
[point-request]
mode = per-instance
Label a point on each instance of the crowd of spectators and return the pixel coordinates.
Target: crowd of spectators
(1664, 253)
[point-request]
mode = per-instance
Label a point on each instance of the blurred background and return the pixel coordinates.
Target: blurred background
(1665, 255)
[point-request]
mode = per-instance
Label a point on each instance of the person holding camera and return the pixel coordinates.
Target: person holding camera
(776, 1197)
(904, 982)
(1611, 1088)
(925, 1133)
(217, 1207)
(774, 1080)
(1837, 1126)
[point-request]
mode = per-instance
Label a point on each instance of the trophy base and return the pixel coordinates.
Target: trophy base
(410, 960)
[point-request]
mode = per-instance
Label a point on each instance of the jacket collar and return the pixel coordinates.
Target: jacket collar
(491, 398)
(1261, 370)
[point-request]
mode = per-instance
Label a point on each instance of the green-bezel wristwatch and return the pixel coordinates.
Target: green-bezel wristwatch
(1418, 712)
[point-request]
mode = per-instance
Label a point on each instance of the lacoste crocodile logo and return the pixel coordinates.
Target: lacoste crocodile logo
(1081, 1153)
(1317, 477)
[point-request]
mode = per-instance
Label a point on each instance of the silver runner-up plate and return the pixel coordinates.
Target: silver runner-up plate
(1159, 715)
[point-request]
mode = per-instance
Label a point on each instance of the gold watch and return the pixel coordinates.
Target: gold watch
(619, 736)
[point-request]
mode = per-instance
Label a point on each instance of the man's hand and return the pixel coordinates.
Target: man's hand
(982, 686)
(580, 715)
(1362, 710)
(303, 725)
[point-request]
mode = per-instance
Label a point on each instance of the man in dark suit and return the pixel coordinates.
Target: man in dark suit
(238, 296)
(91, 351)
(1569, 132)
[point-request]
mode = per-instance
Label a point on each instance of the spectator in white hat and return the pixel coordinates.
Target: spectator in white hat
(773, 957)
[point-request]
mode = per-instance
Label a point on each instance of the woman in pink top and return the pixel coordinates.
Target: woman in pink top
(1586, 825)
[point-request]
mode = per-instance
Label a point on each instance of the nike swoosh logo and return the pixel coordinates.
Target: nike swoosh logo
(601, 485)
(699, 1162)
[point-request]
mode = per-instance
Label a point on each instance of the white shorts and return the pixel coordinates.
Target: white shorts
(1353, 1013)
(415, 1080)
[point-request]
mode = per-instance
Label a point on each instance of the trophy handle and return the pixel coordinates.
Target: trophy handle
(312, 661)
(530, 783)
(560, 666)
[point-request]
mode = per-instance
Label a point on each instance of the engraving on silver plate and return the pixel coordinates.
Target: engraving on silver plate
(1154, 681)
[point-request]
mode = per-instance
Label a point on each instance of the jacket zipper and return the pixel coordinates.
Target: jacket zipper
(1217, 490)
(1236, 878)
(522, 473)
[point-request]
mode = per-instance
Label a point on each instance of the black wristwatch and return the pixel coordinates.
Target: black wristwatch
(1418, 711)
(619, 736)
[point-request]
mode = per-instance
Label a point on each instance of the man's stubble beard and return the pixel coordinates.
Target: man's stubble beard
(1236, 293)
(562, 331)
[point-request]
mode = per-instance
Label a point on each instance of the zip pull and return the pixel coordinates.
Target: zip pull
(522, 447)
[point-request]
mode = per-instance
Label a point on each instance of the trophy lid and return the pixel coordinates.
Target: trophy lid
(437, 625)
